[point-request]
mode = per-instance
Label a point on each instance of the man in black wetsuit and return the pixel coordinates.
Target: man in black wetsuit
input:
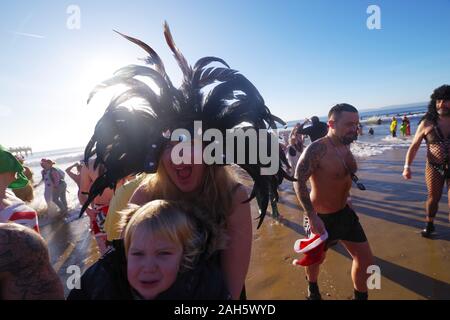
(435, 129)
(316, 131)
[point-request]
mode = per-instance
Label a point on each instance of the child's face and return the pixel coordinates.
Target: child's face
(152, 263)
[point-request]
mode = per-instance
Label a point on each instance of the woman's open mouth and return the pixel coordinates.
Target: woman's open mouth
(183, 172)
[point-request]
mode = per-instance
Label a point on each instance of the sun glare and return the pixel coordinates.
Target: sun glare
(93, 72)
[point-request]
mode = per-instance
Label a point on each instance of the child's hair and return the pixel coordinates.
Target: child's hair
(174, 221)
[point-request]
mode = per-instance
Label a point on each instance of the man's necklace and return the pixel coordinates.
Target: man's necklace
(355, 179)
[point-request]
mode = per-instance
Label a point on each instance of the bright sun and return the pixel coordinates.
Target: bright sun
(94, 71)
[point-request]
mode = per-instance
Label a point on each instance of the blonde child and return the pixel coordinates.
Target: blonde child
(163, 257)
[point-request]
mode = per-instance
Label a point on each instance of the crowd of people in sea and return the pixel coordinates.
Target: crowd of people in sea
(168, 229)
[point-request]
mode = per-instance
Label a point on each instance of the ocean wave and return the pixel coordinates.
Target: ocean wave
(397, 141)
(367, 149)
(386, 119)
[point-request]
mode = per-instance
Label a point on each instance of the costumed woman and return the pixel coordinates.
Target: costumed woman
(435, 129)
(143, 138)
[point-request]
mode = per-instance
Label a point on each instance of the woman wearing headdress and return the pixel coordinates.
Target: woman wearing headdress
(130, 140)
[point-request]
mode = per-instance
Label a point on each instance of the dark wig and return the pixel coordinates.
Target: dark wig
(315, 120)
(441, 93)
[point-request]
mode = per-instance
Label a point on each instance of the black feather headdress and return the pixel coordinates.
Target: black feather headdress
(129, 140)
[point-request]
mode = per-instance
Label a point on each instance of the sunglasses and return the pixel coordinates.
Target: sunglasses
(358, 184)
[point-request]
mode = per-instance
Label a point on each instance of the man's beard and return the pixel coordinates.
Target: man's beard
(346, 140)
(444, 112)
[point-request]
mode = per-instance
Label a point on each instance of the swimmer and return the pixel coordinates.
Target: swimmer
(393, 127)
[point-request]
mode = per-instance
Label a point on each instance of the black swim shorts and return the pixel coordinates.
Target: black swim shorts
(341, 225)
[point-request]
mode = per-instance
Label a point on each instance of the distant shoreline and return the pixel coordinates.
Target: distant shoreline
(365, 115)
(408, 110)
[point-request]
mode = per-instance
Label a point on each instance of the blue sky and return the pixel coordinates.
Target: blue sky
(303, 56)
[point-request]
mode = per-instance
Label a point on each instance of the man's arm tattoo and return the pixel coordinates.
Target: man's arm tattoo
(24, 257)
(305, 168)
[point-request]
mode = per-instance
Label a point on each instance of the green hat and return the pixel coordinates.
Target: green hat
(9, 163)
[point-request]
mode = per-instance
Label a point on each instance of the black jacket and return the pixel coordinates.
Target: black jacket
(315, 131)
(107, 280)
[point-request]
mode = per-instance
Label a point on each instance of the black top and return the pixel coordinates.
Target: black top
(107, 280)
(292, 151)
(315, 131)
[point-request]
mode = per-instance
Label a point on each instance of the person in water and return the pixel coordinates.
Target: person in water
(405, 127)
(434, 127)
(393, 127)
(330, 166)
(407, 124)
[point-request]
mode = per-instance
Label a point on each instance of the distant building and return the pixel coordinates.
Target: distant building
(21, 151)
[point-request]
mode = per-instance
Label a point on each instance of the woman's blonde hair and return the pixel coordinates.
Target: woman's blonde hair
(214, 199)
(170, 219)
(292, 140)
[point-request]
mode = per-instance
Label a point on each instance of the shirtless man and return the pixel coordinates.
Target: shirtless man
(75, 176)
(25, 269)
(330, 166)
(435, 129)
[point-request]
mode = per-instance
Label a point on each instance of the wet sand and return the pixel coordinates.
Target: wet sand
(391, 212)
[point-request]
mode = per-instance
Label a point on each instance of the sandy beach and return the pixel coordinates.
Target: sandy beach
(391, 211)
